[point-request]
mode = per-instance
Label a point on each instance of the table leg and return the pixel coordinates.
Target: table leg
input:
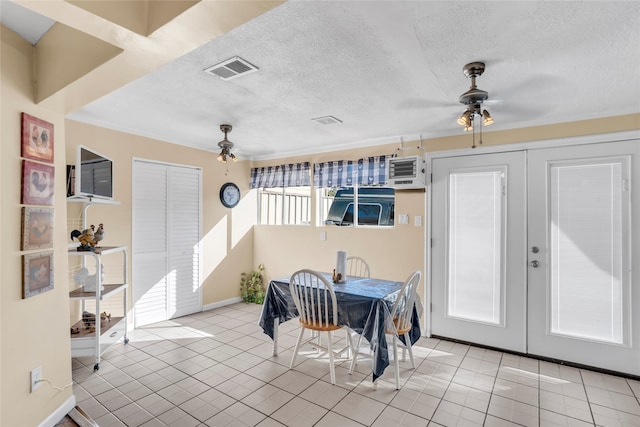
(276, 322)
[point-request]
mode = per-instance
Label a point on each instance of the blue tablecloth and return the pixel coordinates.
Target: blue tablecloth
(364, 305)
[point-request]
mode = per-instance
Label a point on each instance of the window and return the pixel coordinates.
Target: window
(338, 181)
(285, 205)
(284, 194)
(375, 206)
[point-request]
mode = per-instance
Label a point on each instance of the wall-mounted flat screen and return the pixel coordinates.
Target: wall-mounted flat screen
(93, 174)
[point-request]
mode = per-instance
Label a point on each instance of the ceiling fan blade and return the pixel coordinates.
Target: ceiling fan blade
(421, 104)
(254, 150)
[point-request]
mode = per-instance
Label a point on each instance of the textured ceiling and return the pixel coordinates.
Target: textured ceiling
(389, 70)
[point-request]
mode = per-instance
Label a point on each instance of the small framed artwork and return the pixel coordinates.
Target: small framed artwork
(37, 183)
(37, 228)
(37, 272)
(37, 139)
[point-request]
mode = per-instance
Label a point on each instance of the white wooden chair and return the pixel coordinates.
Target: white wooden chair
(357, 267)
(400, 322)
(316, 302)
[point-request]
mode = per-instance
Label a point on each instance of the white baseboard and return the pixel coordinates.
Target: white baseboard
(57, 415)
(221, 303)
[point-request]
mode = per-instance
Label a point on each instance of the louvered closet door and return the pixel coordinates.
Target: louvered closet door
(150, 243)
(166, 234)
(184, 236)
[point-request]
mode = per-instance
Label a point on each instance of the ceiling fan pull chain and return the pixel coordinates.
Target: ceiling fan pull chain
(473, 131)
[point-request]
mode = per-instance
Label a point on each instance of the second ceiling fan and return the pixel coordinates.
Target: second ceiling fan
(473, 99)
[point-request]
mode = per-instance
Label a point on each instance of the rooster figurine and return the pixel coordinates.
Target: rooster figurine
(85, 237)
(99, 234)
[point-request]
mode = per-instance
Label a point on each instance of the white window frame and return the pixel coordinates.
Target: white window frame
(283, 211)
(323, 204)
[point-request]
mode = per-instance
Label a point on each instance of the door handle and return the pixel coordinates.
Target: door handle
(535, 264)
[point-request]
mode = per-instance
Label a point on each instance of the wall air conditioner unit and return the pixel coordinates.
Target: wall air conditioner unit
(406, 172)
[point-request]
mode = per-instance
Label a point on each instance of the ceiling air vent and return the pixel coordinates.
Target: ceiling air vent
(327, 120)
(231, 68)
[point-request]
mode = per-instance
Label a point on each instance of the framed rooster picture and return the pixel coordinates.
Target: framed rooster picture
(37, 271)
(37, 228)
(37, 139)
(37, 183)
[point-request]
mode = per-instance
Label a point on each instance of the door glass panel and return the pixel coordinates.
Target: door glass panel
(586, 263)
(475, 242)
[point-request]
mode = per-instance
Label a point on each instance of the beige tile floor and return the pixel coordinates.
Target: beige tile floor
(216, 369)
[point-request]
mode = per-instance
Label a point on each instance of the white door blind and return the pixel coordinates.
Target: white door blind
(586, 263)
(475, 241)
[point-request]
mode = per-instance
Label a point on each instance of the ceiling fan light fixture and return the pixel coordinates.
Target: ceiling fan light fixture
(488, 120)
(222, 157)
(465, 119)
(226, 146)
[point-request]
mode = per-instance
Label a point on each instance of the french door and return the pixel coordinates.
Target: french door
(562, 285)
(478, 260)
(583, 245)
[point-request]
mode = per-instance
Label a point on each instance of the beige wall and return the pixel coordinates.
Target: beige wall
(392, 253)
(34, 331)
(227, 234)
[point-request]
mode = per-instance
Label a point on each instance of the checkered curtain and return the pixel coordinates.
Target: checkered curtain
(342, 173)
(334, 174)
(290, 175)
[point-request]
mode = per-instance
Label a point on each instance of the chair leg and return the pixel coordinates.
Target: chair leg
(349, 353)
(354, 356)
(314, 339)
(407, 339)
(297, 347)
(332, 368)
(396, 361)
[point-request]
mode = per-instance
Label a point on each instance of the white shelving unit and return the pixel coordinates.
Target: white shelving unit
(94, 343)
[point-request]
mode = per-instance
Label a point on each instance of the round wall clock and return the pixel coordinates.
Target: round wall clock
(229, 194)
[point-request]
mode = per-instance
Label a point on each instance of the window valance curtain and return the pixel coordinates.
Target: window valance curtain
(289, 175)
(341, 173)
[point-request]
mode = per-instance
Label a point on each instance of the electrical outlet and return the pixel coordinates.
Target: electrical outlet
(36, 376)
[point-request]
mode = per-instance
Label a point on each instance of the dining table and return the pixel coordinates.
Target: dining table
(364, 306)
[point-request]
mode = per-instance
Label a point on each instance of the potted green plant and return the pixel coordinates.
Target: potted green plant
(251, 286)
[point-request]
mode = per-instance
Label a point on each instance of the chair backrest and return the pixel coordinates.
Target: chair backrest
(357, 267)
(402, 310)
(314, 298)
